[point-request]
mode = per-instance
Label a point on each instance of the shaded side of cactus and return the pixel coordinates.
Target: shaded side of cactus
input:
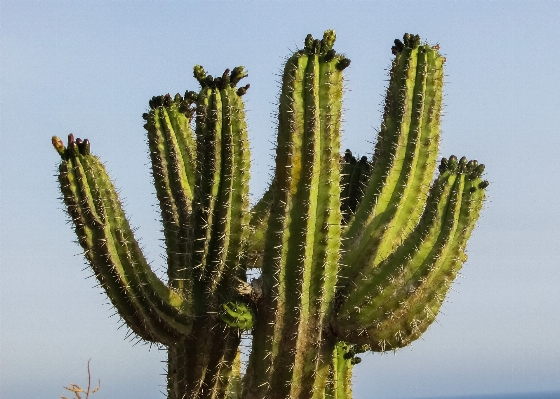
(355, 254)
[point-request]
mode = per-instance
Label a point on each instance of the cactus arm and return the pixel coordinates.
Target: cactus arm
(427, 149)
(219, 227)
(221, 202)
(220, 231)
(172, 154)
(240, 215)
(403, 162)
(287, 271)
(265, 349)
(152, 310)
(385, 311)
(301, 251)
(209, 155)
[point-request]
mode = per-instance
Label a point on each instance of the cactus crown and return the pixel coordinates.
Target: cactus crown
(355, 254)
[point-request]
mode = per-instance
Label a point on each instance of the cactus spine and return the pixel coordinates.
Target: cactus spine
(355, 255)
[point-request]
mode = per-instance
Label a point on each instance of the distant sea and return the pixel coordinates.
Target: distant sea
(532, 395)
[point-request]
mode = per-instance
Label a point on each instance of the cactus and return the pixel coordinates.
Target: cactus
(354, 255)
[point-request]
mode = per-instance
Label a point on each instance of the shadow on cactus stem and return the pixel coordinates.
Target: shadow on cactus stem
(76, 389)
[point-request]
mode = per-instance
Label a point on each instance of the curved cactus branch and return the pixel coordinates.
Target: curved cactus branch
(395, 302)
(152, 310)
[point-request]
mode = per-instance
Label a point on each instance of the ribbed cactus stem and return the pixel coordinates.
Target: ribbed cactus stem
(301, 250)
(173, 156)
(403, 162)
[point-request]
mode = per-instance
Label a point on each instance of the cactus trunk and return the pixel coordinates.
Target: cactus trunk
(354, 255)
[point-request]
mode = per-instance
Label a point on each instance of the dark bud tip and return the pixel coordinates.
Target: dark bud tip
(73, 150)
(443, 165)
(308, 42)
(167, 100)
(70, 139)
(472, 190)
(191, 96)
(226, 77)
(316, 46)
(145, 116)
(87, 147)
(178, 99)
(363, 160)
(330, 55)
(453, 163)
(343, 64)
(347, 155)
(411, 41)
(209, 81)
(483, 184)
(81, 146)
(471, 165)
(242, 90)
(398, 47)
(156, 101)
(462, 164)
(356, 360)
(219, 82)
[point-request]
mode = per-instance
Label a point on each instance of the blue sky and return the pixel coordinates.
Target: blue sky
(90, 68)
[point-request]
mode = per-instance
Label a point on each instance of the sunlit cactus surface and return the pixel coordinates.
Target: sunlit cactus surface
(353, 255)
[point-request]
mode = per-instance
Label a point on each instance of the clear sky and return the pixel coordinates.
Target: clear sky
(90, 68)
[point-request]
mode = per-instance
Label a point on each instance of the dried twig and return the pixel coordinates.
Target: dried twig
(77, 389)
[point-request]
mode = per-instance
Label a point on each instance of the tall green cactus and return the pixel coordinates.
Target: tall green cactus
(354, 255)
